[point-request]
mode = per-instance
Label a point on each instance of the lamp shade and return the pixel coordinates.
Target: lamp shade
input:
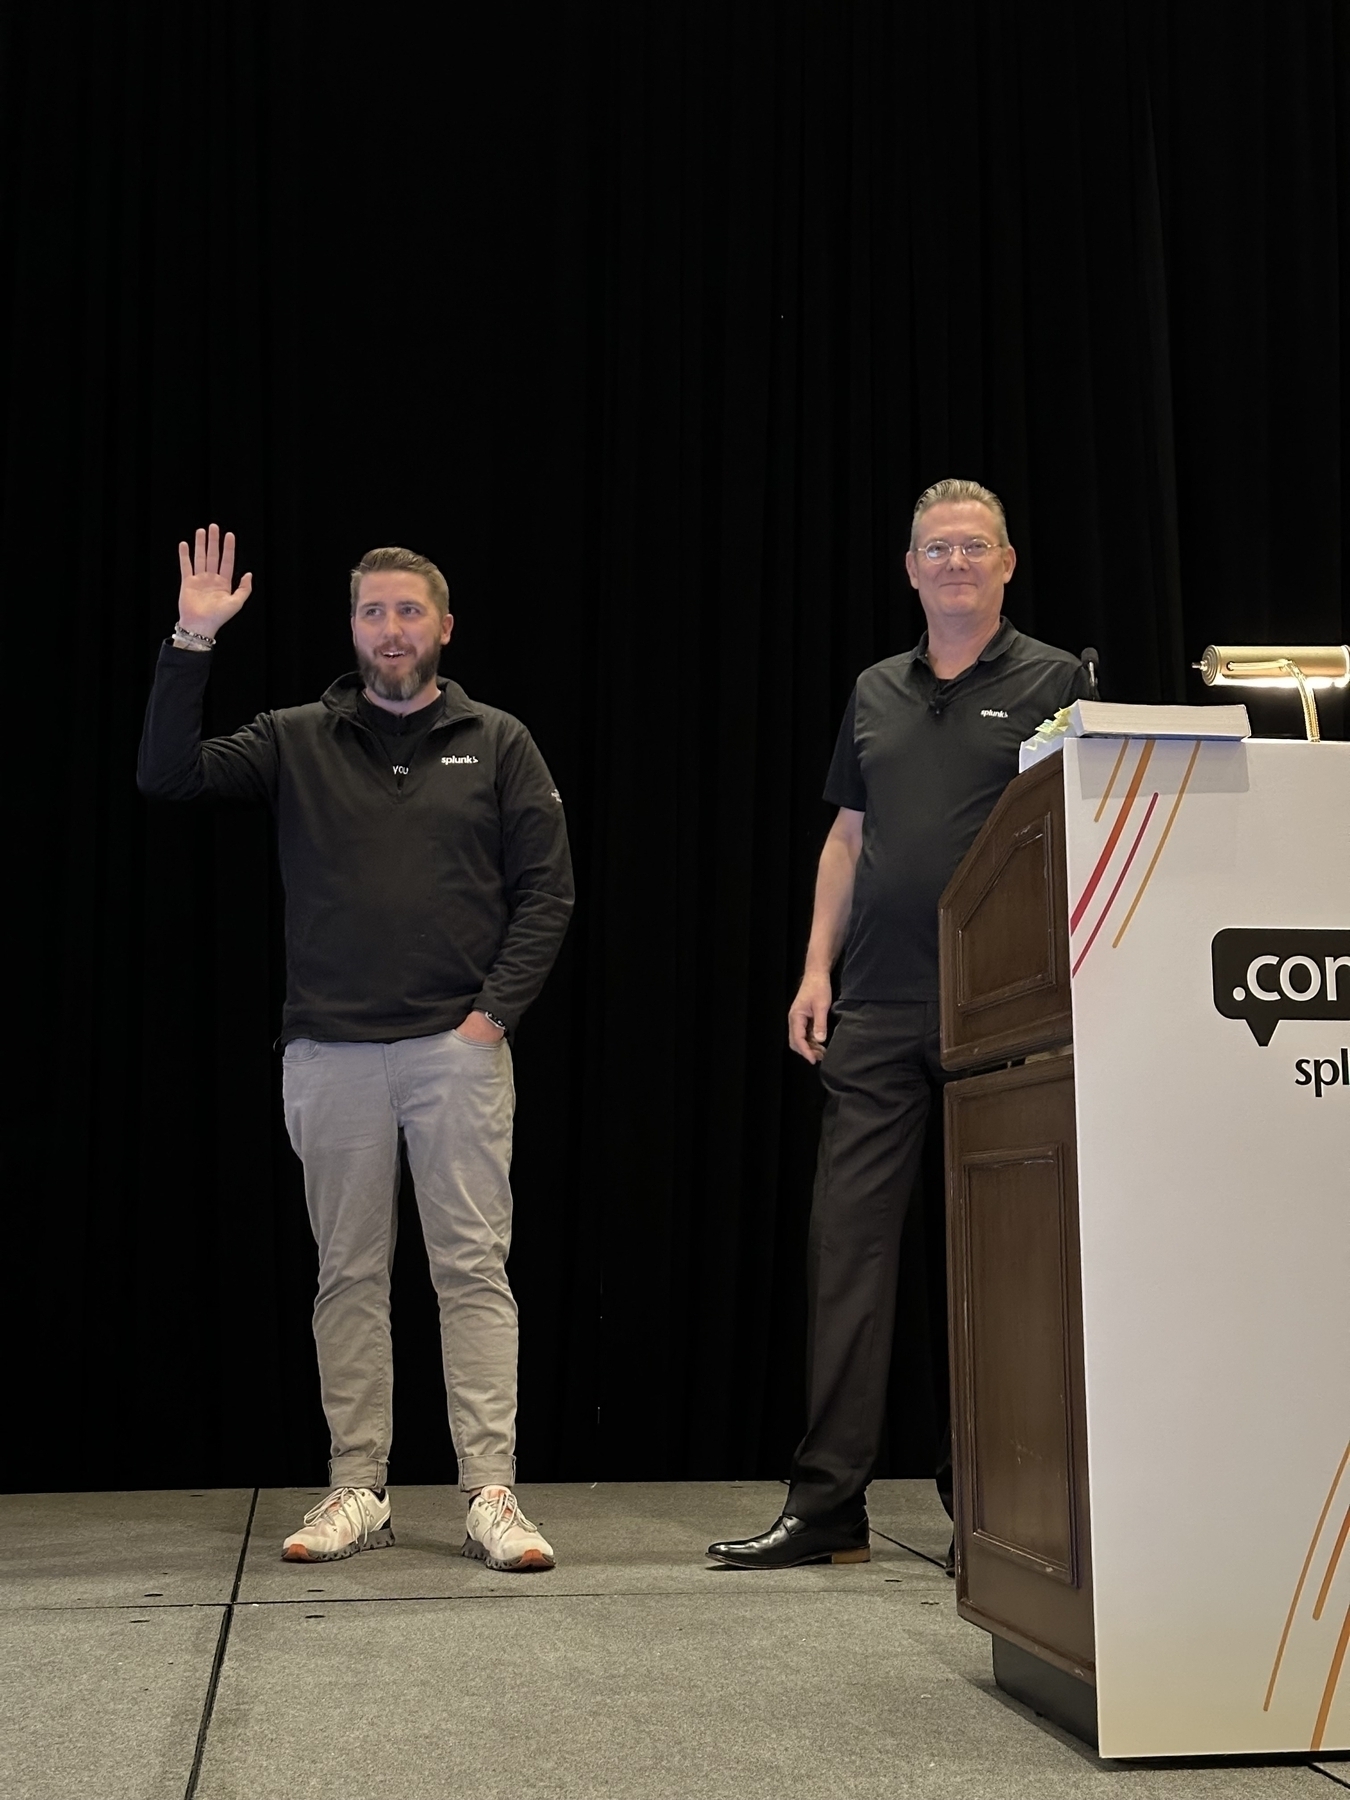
(1321, 665)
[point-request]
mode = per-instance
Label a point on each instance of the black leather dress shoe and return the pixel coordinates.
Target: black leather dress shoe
(789, 1542)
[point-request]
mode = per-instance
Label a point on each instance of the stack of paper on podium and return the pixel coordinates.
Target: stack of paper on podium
(1107, 718)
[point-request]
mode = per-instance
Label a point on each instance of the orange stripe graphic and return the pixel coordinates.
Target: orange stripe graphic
(1106, 910)
(1162, 841)
(1303, 1576)
(1114, 837)
(1329, 1691)
(1330, 1575)
(1124, 746)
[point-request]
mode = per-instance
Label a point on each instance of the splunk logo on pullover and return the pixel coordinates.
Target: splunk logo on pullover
(1265, 977)
(447, 760)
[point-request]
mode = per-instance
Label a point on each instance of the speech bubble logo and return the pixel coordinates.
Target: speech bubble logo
(1266, 976)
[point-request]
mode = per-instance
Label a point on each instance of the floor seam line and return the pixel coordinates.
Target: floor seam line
(900, 1544)
(127, 1606)
(593, 1594)
(105, 1606)
(218, 1661)
(243, 1548)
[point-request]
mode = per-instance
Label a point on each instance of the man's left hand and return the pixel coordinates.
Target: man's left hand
(479, 1029)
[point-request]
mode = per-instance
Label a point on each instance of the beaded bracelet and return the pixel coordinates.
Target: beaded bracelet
(193, 637)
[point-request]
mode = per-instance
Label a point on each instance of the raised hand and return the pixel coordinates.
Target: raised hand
(205, 601)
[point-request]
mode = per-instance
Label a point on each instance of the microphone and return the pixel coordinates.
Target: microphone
(1091, 661)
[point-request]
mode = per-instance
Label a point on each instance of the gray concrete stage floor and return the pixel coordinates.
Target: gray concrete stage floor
(154, 1646)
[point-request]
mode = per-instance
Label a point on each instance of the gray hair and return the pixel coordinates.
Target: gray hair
(953, 488)
(394, 556)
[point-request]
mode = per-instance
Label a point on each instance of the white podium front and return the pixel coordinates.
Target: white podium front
(1146, 996)
(1209, 914)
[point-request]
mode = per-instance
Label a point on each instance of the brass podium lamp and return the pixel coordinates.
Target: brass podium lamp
(1304, 666)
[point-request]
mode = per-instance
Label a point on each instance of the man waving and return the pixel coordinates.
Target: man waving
(428, 887)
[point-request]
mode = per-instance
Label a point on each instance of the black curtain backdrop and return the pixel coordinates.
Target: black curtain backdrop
(647, 322)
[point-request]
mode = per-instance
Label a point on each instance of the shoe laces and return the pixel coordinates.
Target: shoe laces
(505, 1509)
(334, 1504)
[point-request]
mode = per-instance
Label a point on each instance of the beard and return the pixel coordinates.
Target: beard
(402, 681)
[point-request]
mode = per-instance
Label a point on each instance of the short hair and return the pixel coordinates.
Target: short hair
(394, 556)
(953, 488)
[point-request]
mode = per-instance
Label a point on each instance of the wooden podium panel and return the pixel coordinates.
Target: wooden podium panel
(1003, 931)
(1024, 1568)
(1156, 1195)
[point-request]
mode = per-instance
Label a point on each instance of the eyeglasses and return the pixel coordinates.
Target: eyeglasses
(940, 551)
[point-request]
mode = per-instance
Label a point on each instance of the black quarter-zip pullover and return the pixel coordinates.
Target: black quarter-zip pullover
(399, 735)
(410, 900)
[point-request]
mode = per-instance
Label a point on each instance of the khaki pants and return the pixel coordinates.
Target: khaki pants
(452, 1102)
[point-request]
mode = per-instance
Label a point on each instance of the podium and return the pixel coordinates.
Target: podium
(1145, 989)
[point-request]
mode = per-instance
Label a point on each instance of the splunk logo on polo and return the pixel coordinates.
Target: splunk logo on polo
(1266, 976)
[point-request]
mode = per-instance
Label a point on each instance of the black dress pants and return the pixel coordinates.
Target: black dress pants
(882, 1075)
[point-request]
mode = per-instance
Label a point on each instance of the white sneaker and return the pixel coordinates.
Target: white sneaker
(350, 1519)
(500, 1535)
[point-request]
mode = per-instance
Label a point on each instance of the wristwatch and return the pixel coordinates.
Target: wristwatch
(492, 1018)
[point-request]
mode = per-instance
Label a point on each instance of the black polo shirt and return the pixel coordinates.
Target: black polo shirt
(924, 761)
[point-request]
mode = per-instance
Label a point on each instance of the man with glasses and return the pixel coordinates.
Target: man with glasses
(928, 742)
